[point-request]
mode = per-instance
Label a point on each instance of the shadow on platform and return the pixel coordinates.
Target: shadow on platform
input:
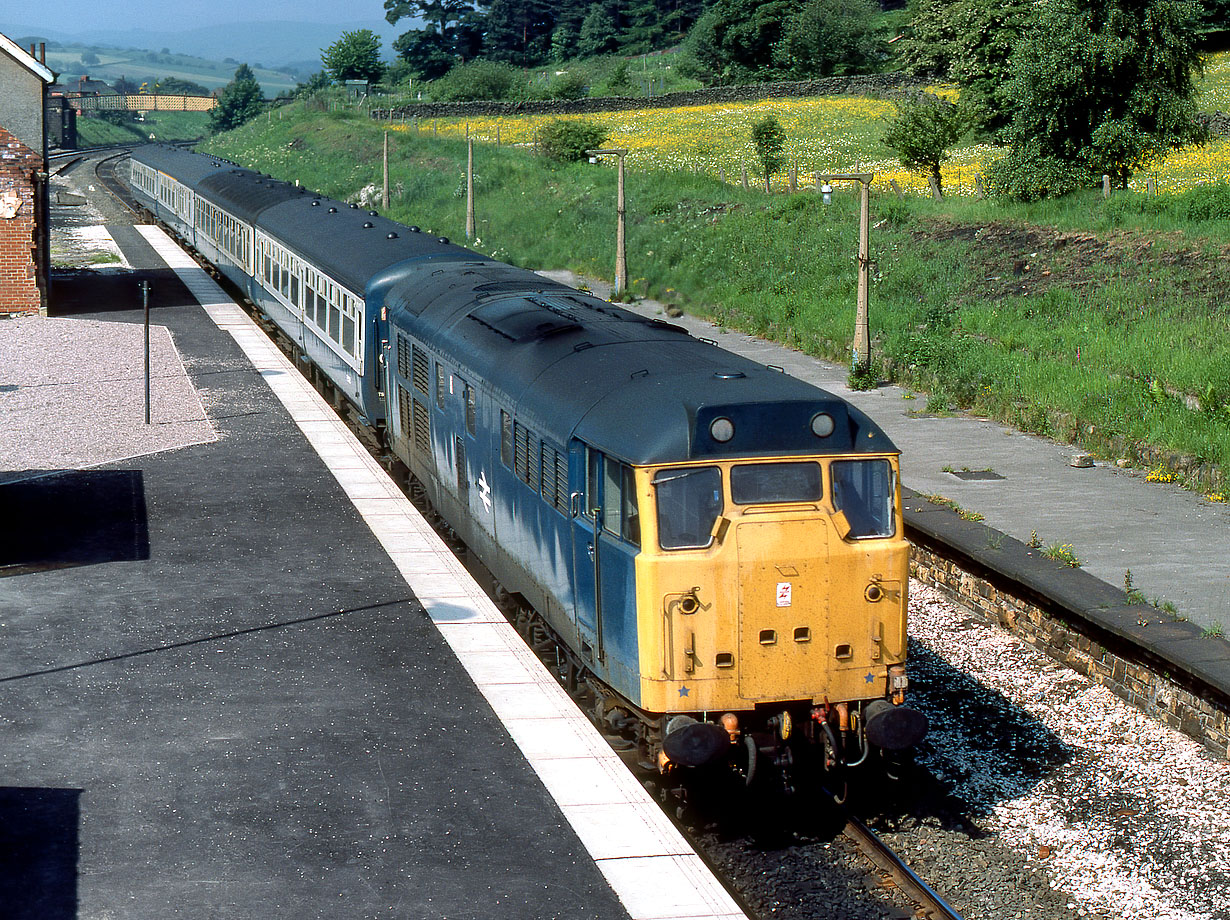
(38, 853)
(72, 518)
(82, 291)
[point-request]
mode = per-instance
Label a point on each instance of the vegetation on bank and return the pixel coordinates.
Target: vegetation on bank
(1097, 321)
(94, 131)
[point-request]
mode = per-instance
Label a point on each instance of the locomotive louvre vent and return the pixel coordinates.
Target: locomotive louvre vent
(422, 427)
(421, 374)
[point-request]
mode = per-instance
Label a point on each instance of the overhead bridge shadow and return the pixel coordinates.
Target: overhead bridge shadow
(39, 849)
(61, 519)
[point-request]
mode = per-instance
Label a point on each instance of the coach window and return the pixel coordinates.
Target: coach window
(335, 318)
(348, 328)
(689, 504)
(309, 294)
(864, 491)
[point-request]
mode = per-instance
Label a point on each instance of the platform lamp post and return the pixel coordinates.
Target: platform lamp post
(861, 362)
(621, 248)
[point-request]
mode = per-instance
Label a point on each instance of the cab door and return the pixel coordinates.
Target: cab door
(605, 542)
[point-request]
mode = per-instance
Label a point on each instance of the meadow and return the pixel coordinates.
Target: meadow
(826, 135)
(1099, 322)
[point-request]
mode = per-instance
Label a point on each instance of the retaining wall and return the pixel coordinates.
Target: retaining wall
(868, 85)
(1133, 649)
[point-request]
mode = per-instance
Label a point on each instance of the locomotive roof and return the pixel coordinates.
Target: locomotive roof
(638, 388)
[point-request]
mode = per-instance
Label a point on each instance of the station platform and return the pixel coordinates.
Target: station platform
(243, 678)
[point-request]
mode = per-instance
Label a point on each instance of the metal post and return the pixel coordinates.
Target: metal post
(145, 303)
(469, 185)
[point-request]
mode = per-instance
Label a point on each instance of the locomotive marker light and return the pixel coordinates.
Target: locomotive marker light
(862, 337)
(621, 249)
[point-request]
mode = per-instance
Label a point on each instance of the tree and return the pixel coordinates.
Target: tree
(452, 33)
(735, 40)
(174, 86)
(825, 37)
(921, 134)
(354, 56)
(970, 42)
(1098, 88)
(769, 139)
(238, 102)
(598, 31)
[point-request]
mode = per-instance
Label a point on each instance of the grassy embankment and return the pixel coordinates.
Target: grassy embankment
(1103, 323)
(161, 126)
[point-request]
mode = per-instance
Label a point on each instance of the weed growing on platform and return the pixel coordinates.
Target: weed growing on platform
(1062, 553)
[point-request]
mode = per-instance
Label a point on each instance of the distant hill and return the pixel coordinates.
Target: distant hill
(292, 48)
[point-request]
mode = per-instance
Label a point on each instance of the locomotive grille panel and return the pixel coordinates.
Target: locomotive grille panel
(525, 464)
(403, 358)
(421, 370)
(554, 483)
(422, 427)
(403, 410)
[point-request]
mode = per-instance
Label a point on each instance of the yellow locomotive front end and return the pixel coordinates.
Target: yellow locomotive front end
(772, 597)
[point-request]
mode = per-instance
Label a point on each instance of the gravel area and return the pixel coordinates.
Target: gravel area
(72, 395)
(1063, 782)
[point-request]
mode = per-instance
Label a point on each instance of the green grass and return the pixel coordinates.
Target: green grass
(165, 126)
(1125, 347)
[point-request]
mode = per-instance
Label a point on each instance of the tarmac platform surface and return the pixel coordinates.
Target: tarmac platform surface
(242, 678)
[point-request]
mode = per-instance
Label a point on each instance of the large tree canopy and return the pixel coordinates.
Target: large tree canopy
(1098, 87)
(354, 56)
(741, 40)
(970, 42)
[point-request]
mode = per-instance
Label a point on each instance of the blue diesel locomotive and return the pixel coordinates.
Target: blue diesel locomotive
(718, 544)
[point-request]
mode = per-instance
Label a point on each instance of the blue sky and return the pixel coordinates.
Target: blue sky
(76, 16)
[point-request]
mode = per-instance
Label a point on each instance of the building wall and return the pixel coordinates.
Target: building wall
(21, 111)
(21, 195)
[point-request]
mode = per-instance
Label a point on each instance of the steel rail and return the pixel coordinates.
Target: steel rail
(887, 861)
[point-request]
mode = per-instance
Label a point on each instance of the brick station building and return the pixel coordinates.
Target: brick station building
(24, 231)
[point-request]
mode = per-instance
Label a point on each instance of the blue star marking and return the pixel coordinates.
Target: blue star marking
(870, 677)
(683, 691)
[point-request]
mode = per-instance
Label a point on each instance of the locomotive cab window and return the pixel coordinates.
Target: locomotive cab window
(689, 504)
(864, 490)
(772, 483)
